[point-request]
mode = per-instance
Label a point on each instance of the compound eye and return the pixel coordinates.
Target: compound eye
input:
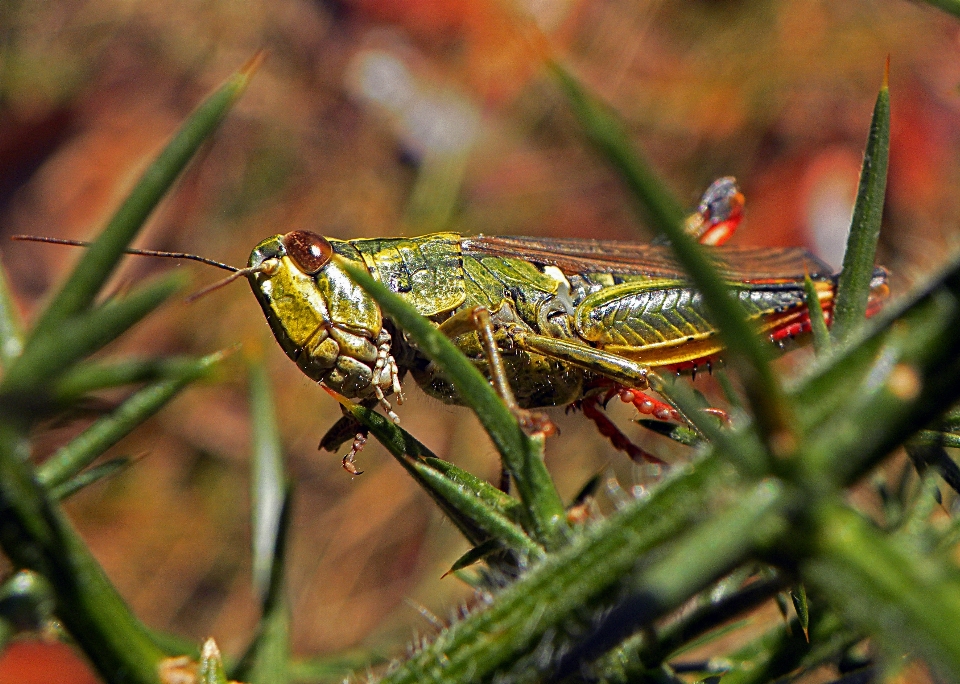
(309, 251)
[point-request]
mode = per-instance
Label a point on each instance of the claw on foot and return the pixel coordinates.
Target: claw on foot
(534, 423)
(349, 461)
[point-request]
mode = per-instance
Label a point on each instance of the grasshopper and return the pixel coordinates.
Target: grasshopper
(553, 322)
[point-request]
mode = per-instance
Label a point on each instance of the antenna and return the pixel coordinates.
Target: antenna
(136, 252)
(237, 273)
(234, 275)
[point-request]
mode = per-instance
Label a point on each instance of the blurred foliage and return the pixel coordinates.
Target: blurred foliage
(777, 93)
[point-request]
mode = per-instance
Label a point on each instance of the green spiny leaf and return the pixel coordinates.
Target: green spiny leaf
(911, 377)
(110, 429)
(35, 535)
(474, 555)
(91, 376)
(211, 665)
(678, 433)
(799, 597)
(48, 356)
(496, 499)
(476, 511)
(566, 583)
(853, 287)
(784, 649)
(267, 659)
(818, 324)
(607, 133)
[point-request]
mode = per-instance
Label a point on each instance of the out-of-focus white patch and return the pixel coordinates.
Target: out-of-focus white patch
(829, 211)
(381, 78)
(429, 120)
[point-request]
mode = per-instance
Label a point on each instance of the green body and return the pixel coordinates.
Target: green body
(553, 296)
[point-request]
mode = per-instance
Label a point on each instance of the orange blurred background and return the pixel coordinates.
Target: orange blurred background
(398, 117)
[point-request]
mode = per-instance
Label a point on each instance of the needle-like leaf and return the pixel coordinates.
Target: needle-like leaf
(70, 459)
(853, 287)
(88, 477)
(98, 262)
(11, 327)
(267, 480)
(50, 355)
(818, 324)
(748, 353)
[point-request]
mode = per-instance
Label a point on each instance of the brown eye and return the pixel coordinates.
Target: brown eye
(309, 251)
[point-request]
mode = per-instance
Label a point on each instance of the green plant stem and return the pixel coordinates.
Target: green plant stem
(700, 557)
(576, 577)
(36, 536)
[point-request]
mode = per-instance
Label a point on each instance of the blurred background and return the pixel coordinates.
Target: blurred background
(401, 117)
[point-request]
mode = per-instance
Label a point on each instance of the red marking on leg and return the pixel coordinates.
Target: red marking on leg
(791, 330)
(798, 323)
(591, 410)
(647, 405)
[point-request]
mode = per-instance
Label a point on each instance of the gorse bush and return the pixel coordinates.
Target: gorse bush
(759, 513)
